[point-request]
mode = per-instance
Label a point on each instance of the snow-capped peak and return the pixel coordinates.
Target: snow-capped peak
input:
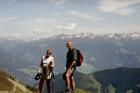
(134, 35)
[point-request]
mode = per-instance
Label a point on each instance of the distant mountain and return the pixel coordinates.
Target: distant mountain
(84, 82)
(122, 79)
(106, 51)
(15, 66)
(8, 84)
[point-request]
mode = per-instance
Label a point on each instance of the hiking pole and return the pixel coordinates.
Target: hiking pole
(53, 77)
(52, 85)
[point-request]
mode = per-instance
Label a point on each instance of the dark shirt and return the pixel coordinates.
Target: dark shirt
(71, 56)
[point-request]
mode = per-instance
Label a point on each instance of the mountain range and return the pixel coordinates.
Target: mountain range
(21, 57)
(119, 80)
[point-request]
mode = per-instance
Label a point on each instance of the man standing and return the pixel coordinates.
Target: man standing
(70, 67)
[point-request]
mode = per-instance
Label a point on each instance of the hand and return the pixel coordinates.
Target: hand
(37, 76)
(69, 71)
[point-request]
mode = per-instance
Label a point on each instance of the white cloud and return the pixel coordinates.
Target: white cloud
(57, 2)
(88, 16)
(122, 7)
(119, 64)
(44, 27)
(7, 18)
(69, 26)
(125, 11)
(38, 30)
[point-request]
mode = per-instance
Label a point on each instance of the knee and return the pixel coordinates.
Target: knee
(72, 78)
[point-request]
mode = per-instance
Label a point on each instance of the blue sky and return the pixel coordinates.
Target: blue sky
(31, 18)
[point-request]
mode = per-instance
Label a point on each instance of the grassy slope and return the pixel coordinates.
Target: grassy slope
(7, 83)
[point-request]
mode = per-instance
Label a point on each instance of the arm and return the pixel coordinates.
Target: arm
(74, 56)
(73, 63)
(51, 65)
(41, 63)
(70, 70)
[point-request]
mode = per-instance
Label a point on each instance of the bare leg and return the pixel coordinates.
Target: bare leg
(72, 83)
(67, 81)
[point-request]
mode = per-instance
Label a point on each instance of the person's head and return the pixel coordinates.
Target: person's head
(69, 44)
(49, 52)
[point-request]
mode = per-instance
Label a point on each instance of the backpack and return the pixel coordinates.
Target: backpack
(79, 60)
